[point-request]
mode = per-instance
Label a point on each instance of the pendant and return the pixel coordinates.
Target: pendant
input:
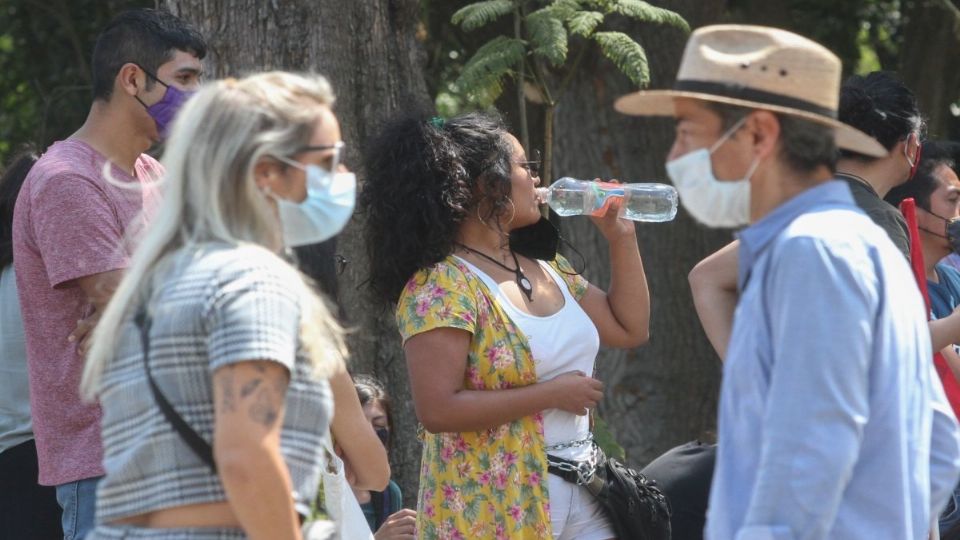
(525, 286)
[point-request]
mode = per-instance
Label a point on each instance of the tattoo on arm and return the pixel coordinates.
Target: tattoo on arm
(264, 408)
(249, 387)
(228, 400)
(263, 395)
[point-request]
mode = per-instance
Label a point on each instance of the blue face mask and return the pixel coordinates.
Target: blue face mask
(325, 211)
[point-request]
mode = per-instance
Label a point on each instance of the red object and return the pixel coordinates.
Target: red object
(950, 385)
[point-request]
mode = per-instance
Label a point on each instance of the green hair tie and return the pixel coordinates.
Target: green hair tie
(437, 122)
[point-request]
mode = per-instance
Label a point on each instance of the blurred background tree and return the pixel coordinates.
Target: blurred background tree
(45, 51)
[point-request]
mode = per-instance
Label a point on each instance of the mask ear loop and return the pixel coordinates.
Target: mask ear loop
(752, 169)
(729, 133)
(335, 163)
(914, 163)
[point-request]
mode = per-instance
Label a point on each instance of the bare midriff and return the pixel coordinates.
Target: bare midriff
(218, 514)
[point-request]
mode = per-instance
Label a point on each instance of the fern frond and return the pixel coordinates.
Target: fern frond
(626, 54)
(643, 11)
(479, 14)
(563, 9)
(547, 36)
(483, 74)
(583, 23)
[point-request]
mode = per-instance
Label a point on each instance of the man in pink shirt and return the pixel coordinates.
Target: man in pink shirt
(81, 205)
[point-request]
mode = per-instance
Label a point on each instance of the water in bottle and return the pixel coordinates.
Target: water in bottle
(641, 202)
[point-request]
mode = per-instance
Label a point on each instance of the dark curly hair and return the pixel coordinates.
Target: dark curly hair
(881, 106)
(423, 178)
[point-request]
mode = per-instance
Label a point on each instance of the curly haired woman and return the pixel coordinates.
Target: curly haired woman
(499, 346)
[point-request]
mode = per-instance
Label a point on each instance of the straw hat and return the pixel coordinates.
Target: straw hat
(760, 68)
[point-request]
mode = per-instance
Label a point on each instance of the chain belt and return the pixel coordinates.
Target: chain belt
(571, 444)
(579, 472)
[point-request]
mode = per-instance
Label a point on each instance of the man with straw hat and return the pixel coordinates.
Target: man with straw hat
(832, 423)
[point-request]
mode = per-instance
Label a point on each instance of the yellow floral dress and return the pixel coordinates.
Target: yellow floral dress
(492, 483)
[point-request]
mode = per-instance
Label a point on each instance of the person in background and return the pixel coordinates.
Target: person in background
(365, 461)
(213, 316)
(500, 342)
(936, 190)
(82, 202)
(832, 422)
(881, 106)
(383, 509)
(27, 509)
(953, 147)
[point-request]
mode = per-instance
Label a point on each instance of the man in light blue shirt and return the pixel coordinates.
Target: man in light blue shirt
(832, 422)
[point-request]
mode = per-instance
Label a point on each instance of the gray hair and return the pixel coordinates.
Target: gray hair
(804, 144)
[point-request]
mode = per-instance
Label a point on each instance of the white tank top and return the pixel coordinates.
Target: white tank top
(564, 341)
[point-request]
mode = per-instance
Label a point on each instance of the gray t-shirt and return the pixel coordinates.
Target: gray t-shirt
(15, 426)
(224, 304)
(884, 214)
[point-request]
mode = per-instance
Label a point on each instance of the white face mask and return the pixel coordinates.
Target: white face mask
(325, 211)
(710, 201)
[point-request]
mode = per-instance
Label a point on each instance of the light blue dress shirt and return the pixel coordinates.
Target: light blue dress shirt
(833, 423)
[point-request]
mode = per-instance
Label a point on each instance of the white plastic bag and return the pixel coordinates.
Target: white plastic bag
(338, 498)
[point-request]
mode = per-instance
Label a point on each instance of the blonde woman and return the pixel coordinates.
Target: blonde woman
(213, 319)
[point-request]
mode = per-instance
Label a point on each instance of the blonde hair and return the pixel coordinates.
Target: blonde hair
(209, 195)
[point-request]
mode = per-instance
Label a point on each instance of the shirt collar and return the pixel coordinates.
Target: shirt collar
(755, 238)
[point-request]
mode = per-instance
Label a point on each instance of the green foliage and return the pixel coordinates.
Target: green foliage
(643, 11)
(545, 40)
(548, 36)
(626, 54)
(605, 439)
(583, 23)
(480, 14)
(483, 74)
(45, 51)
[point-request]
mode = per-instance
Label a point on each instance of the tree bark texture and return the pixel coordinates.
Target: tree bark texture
(665, 392)
(369, 52)
(928, 63)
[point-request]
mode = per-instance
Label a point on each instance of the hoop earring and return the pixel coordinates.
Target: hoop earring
(480, 219)
(513, 211)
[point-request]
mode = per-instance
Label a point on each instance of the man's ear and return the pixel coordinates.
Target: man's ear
(130, 79)
(764, 127)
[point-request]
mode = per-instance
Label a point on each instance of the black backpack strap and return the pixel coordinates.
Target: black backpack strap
(194, 440)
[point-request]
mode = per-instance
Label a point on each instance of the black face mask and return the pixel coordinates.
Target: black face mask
(383, 434)
(951, 229)
(538, 241)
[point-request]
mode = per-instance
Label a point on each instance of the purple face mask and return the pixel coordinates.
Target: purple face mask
(164, 111)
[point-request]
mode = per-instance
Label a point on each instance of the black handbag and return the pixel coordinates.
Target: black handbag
(634, 505)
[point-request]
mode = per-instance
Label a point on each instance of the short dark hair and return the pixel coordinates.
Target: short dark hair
(147, 37)
(10, 185)
(879, 105)
(804, 144)
(934, 155)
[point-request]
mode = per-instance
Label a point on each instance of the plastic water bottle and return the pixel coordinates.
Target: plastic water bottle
(642, 202)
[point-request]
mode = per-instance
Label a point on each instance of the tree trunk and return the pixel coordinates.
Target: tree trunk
(664, 393)
(369, 53)
(928, 64)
